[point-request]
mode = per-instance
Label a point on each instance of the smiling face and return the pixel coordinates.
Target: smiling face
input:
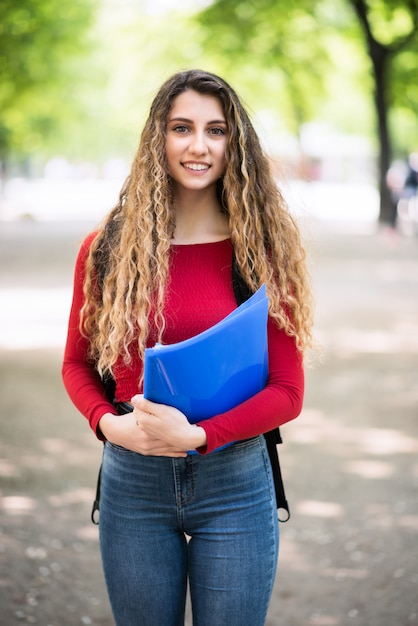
(196, 141)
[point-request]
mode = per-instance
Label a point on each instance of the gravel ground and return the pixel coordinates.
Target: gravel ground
(349, 554)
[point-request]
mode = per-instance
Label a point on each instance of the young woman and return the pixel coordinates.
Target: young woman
(159, 269)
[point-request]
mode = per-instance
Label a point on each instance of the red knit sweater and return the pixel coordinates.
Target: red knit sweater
(200, 294)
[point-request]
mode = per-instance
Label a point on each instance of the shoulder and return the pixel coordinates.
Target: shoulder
(88, 240)
(84, 250)
(87, 243)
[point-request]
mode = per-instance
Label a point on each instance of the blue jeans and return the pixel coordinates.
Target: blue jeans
(210, 521)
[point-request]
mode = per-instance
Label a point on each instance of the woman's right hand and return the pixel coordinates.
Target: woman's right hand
(125, 431)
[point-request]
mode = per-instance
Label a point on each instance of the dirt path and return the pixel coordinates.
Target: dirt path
(349, 554)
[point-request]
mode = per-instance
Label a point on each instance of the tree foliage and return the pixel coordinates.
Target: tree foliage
(299, 40)
(390, 29)
(77, 76)
(275, 38)
(38, 42)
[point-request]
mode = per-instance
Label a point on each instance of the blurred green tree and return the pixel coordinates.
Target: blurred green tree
(38, 42)
(259, 38)
(296, 41)
(391, 35)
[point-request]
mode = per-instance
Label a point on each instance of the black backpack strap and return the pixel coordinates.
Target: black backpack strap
(273, 437)
(96, 503)
(110, 387)
(122, 408)
(242, 291)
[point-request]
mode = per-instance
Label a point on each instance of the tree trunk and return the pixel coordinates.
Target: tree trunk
(380, 61)
(379, 56)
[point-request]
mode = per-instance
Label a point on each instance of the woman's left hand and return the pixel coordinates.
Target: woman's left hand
(168, 424)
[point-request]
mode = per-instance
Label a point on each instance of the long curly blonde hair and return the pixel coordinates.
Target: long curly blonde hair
(128, 263)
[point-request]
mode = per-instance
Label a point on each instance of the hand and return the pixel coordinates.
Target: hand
(153, 430)
(167, 424)
(123, 430)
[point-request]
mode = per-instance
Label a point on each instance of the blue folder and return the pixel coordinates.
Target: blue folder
(215, 370)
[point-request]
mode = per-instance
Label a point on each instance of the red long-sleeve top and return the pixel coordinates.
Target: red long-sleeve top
(200, 294)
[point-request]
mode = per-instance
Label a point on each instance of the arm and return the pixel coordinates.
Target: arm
(81, 380)
(279, 402)
(139, 431)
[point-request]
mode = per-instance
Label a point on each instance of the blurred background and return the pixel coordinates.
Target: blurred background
(332, 89)
(331, 85)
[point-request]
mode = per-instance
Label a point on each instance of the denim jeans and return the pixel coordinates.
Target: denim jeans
(207, 521)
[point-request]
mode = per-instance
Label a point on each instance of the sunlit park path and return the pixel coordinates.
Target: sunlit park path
(349, 554)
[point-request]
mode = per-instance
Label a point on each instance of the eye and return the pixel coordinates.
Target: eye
(180, 128)
(217, 130)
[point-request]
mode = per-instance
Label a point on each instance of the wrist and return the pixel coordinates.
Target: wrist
(199, 437)
(106, 424)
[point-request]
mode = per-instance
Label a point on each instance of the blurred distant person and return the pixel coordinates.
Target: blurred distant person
(407, 207)
(411, 180)
(159, 268)
(395, 180)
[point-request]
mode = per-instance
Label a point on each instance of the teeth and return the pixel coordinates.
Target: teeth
(196, 166)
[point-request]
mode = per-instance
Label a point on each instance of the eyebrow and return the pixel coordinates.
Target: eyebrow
(185, 119)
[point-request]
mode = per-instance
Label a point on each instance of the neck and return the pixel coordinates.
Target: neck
(199, 219)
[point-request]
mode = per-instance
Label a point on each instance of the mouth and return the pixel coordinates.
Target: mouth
(196, 167)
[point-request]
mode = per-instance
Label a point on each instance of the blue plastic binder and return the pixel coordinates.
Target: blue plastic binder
(215, 370)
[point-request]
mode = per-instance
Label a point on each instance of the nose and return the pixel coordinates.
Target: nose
(198, 144)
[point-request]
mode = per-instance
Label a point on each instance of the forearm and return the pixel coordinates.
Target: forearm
(279, 402)
(259, 414)
(87, 393)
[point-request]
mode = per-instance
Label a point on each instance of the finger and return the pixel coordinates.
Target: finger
(149, 443)
(137, 401)
(148, 406)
